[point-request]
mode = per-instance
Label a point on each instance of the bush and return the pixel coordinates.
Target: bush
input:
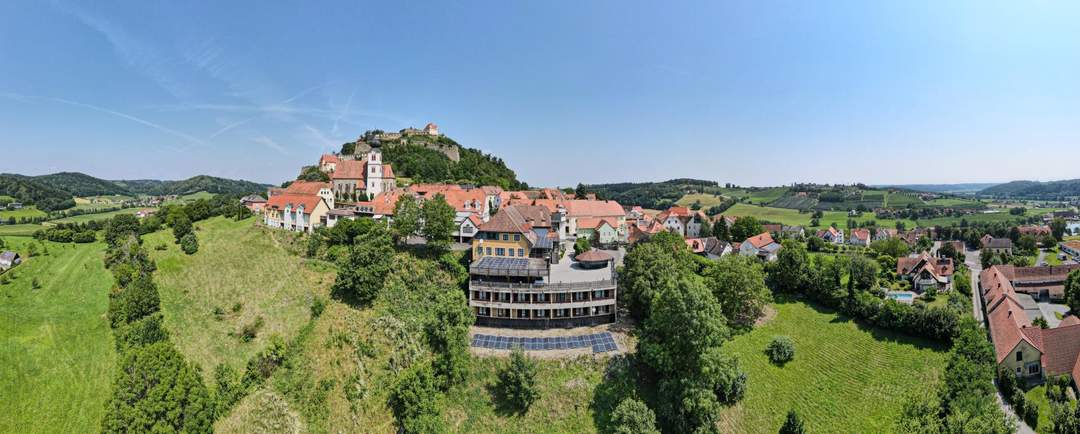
(517, 381)
(219, 313)
(250, 330)
(781, 350)
(317, 307)
(137, 300)
(632, 416)
(146, 331)
(792, 425)
(414, 400)
(161, 247)
(582, 245)
(189, 243)
(156, 390)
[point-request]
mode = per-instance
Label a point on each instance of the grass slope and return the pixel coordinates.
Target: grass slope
(56, 348)
(25, 212)
(83, 218)
(21, 230)
(844, 378)
(236, 263)
(794, 217)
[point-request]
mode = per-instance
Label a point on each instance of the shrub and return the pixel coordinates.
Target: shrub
(219, 313)
(792, 425)
(517, 381)
(414, 400)
(156, 390)
(781, 350)
(632, 416)
(236, 307)
(189, 243)
(582, 245)
(317, 307)
(161, 247)
(145, 331)
(134, 302)
(250, 330)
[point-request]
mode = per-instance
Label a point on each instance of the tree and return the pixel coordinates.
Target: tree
(362, 272)
(517, 381)
(649, 267)
(133, 302)
(924, 244)
(705, 229)
(156, 390)
(181, 226)
(863, 272)
(894, 247)
(189, 243)
(720, 229)
(947, 250)
(745, 227)
(738, 284)
(781, 349)
(1072, 291)
(900, 226)
(438, 218)
(119, 227)
(414, 399)
(667, 344)
(791, 271)
(406, 218)
(1027, 244)
(632, 416)
(1057, 228)
(1041, 322)
(448, 335)
(792, 425)
(582, 245)
(815, 244)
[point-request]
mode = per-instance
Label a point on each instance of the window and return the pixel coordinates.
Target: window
(1019, 356)
(541, 297)
(499, 251)
(517, 237)
(489, 250)
(506, 237)
(523, 313)
(1033, 368)
(521, 253)
(511, 252)
(479, 251)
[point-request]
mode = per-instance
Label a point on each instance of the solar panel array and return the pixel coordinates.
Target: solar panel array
(599, 342)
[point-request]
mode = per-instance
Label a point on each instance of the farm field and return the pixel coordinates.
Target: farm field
(190, 198)
(706, 200)
(794, 217)
(25, 212)
(237, 263)
(83, 218)
(756, 196)
(22, 230)
(1002, 216)
(55, 343)
(844, 378)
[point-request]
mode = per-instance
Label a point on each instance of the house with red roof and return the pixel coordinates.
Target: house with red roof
(295, 212)
(598, 230)
(925, 272)
(762, 246)
(1030, 351)
(859, 237)
(683, 221)
(831, 235)
(367, 177)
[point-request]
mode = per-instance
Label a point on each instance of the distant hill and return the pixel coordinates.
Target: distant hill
(210, 184)
(1052, 190)
(968, 188)
(32, 192)
(653, 195)
(81, 184)
(429, 159)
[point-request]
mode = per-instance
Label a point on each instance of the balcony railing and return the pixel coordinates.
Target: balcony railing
(558, 286)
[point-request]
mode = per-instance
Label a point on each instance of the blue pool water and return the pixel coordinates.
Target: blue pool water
(901, 296)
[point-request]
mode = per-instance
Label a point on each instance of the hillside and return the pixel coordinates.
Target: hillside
(653, 195)
(210, 184)
(966, 188)
(81, 184)
(32, 192)
(1052, 190)
(440, 159)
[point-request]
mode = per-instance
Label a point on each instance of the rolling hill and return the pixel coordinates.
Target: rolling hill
(1052, 190)
(210, 184)
(32, 192)
(81, 184)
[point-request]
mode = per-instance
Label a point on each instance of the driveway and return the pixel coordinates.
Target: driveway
(1048, 310)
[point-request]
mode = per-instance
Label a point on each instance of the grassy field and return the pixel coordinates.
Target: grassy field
(98, 216)
(1002, 216)
(190, 198)
(56, 348)
(706, 200)
(236, 263)
(844, 378)
(25, 212)
(755, 196)
(794, 217)
(23, 230)
(1037, 395)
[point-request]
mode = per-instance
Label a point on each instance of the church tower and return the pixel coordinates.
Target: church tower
(374, 176)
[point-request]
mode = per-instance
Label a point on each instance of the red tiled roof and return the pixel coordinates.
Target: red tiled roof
(306, 187)
(761, 240)
(328, 158)
(939, 267)
(861, 234)
(1007, 318)
(349, 169)
(309, 202)
(593, 223)
(593, 256)
(1034, 230)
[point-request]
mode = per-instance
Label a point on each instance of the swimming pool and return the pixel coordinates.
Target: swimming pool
(902, 296)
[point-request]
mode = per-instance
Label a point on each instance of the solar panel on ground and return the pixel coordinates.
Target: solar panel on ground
(599, 342)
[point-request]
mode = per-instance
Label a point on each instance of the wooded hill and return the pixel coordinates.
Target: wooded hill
(57, 191)
(1052, 190)
(654, 195)
(427, 159)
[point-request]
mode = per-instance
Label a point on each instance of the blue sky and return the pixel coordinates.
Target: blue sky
(755, 93)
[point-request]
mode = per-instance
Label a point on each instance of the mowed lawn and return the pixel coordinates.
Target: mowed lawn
(844, 378)
(56, 348)
(83, 218)
(21, 230)
(236, 263)
(705, 200)
(24, 212)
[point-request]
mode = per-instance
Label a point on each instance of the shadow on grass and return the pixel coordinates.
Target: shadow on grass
(504, 407)
(624, 377)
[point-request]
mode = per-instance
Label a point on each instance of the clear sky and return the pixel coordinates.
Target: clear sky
(754, 92)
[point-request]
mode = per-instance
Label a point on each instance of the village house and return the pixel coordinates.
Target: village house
(1036, 231)
(831, 235)
(792, 232)
(1044, 283)
(254, 202)
(518, 277)
(1030, 351)
(709, 247)
(683, 221)
(884, 234)
(598, 230)
(367, 177)
(567, 214)
(328, 163)
(295, 212)
(9, 260)
(762, 246)
(925, 272)
(997, 245)
(859, 237)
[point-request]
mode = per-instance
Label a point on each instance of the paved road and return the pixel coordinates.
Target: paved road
(972, 261)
